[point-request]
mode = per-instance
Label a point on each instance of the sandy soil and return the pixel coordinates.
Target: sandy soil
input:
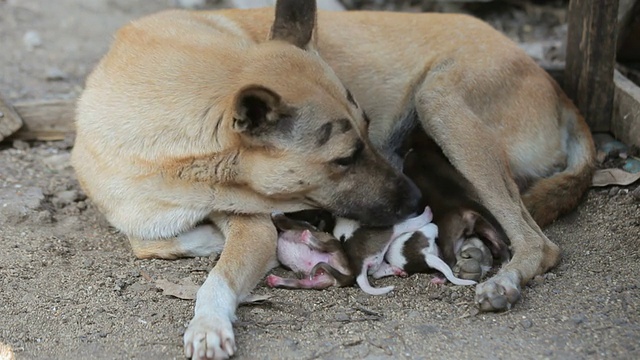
(71, 289)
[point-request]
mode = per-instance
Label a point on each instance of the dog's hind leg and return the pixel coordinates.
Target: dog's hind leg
(249, 252)
(470, 145)
(203, 240)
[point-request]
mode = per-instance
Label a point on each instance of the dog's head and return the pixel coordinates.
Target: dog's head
(304, 133)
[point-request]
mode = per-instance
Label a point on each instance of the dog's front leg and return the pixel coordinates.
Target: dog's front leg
(249, 252)
(470, 145)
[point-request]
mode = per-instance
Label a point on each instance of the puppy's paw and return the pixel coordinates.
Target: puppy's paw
(500, 292)
(209, 338)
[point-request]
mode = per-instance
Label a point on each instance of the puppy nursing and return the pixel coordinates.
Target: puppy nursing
(325, 261)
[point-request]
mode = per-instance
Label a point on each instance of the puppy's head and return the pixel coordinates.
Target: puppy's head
(305, 135)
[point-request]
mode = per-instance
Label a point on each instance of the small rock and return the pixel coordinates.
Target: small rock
(32, 39)
(550, 276)
(58, 162)
(20, 145)
(526, 323)
(538, 280)
(427, 329)
(578, 319)
(87, 262)
(65, 198)
(636, 193)
(55, 74)
(547, 352)
(631, 165)
(16, 203)
(614, 191)
(342, 317)
(43, 217)
(81, 205)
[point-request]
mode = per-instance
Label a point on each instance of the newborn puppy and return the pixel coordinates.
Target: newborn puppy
(418, 253)
(456, 207)
(301, 247)
(366, 248)
(474, 259)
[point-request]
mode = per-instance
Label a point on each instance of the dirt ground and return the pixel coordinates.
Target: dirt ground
(71, 289)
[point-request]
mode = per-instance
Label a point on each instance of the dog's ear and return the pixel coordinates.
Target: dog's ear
(256, 107)
(295, 23)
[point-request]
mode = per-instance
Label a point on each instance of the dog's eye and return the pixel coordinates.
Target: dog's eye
(349, 160)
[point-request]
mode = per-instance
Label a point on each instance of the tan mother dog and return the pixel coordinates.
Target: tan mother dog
(230, 115)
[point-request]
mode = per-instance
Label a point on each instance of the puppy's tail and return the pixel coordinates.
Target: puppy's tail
(363, 282)
(435, 262)
(556, 195)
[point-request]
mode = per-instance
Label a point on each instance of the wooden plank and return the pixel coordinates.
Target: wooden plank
(45, 120)
(625, 123)
(591, 48)
(628, 49)
(10, 120)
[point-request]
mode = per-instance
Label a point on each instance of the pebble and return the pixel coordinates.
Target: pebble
(636, 193)
(16, 203)
(526, 323)
(55, 74)
(578, 319)
(342, 317)
(65, 198)
(614, 191)
(32, 39)
(58, 162)
(20, 145)
(87, 263)
(631, 165)
(550, 276)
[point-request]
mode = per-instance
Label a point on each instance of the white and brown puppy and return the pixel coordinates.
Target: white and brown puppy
(366, 248)
(233, 114)
(417, 252)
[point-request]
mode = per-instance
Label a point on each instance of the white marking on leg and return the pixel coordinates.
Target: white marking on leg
(210, 332)
(204, 240)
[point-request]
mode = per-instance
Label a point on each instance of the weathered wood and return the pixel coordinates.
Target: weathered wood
(45, 120)
(625, 123)
(10, 120)
(591, 48)
(628, 49)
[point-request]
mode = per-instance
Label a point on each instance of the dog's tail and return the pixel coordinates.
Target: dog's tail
(551, 197)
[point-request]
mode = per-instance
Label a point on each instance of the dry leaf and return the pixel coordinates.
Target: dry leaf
(255, 299)
(607, 177)
(185, 289)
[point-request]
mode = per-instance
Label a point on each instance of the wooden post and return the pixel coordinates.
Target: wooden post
(591, 51)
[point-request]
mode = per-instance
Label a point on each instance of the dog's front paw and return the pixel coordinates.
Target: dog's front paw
(500, 292)
(209, 337)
